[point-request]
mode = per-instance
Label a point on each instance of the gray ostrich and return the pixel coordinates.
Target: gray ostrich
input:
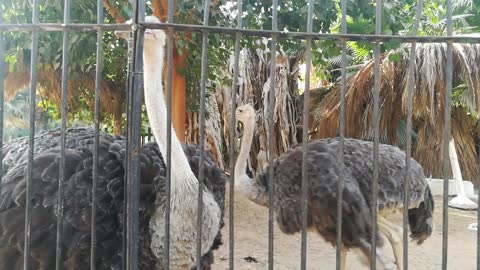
(323, 170)
(110, 189)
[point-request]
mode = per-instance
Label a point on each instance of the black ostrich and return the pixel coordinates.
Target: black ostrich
(110, 193)
(322, 201)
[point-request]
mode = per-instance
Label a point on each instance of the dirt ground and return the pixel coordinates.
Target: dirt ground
(251, 240)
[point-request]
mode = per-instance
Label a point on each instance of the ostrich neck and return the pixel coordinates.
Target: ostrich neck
(241, 165)
(182, 175)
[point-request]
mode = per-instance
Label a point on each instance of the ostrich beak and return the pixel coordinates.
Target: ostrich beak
(239, 128)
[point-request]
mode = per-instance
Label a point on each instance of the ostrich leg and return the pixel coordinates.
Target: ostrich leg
(365, 258)
(392, 232)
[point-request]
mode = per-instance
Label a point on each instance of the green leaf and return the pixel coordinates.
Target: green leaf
(395, 57)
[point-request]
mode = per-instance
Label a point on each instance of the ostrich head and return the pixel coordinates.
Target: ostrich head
(245, 114)
(151, 37)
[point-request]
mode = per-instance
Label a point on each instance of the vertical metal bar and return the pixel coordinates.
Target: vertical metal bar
(2, 99)
(233, 102)
(61, 179)
(446, 135)
(168, 158)
(133, 178)
(129, 85)
(271, 102)
(33, 90)
(376, 128)
(96, 120)
(478, 211)
(306, 109)
(410, 88)
(203, 79)
(338, 261)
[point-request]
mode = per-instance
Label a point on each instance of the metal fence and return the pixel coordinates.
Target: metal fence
(135, 83)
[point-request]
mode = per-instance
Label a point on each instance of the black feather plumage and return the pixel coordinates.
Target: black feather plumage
(78, 196)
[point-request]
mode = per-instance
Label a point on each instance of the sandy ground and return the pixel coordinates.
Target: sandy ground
(251, 240)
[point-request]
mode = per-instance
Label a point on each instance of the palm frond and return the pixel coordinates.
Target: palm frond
(428, 103)
(457, 4)
(15, 122)
(359, 53)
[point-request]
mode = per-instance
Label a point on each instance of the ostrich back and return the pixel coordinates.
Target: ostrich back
(323, 173)
(77, 190)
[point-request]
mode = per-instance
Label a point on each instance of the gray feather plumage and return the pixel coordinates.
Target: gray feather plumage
(323, 174)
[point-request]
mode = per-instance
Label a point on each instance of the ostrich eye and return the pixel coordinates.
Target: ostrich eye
(240, 110)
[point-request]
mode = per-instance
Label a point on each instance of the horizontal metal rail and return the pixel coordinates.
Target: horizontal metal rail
(245, 32)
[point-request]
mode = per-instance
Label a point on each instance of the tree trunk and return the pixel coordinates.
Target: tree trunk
(254, 88)
(179, 102)
(213, 129)
(114, 12)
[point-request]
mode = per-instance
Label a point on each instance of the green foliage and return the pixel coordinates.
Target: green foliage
(81, 47)
(397, 19)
